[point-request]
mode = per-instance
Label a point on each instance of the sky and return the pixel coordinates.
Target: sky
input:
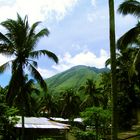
(79, 31)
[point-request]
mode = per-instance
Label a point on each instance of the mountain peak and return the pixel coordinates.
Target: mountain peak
(74, 77)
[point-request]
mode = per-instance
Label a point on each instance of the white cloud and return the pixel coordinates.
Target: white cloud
(84, 58)
(37, 9)
(45, 73)
(67, 61)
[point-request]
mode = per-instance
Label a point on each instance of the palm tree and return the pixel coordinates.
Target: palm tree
(131, 37)
(93, 96)
(113, 69)
(28, 98)
(70, 104)
(20, 41)
(49, 105)
(105, 89)
(126, 86)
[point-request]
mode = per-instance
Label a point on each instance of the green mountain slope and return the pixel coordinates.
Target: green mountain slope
(73, 78)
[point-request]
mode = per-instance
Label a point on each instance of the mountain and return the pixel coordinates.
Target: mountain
(73, 78)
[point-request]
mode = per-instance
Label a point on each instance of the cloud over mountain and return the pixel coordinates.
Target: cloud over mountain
(83, 58)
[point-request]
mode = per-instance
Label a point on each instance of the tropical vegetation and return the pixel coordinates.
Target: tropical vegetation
(106, 100)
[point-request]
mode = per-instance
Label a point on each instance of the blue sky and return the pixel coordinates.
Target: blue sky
(79, 31)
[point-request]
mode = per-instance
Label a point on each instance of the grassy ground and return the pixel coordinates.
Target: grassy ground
(71, 137)
(129, 135)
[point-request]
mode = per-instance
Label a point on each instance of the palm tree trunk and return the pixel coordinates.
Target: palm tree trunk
(22, 83)
(113, 70)
(22, 128)
(96, 127)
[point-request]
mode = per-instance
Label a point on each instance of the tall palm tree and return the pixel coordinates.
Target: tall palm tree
(20, 41)
(132, 37)
(113, 69)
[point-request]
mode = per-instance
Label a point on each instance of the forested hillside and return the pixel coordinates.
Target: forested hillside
(74, 78)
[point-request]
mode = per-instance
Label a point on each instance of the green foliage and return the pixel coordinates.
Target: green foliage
(127, 95)
(7, 118)
(50, 105)
(98, 115)
(131, 39)
(70, 104)
(84, 135)
(105, 90)
(92, 94)
(97, 122)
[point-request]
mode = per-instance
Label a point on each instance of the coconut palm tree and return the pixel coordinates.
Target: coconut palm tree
(93, 96)
(131, 37)
(20, 41)
(113, 68)
(70, 104)
(28, 98)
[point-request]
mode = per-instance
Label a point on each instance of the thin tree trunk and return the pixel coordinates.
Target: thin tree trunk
(22, 83)
(22, 127)
(113, 70)
(96, 127)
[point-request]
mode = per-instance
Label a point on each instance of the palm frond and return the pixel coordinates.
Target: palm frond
(26, 23)
(107, 62)
(130, 7)
(43, 32)
(137, 58)
(6, 46)
(37, 76)
(34, 63)
(36, 37)
(36, 54)
(29, 87)
(133, 70)
(4, 67)
(32, 30)
(4, 39)
(33, 37)
(19, 19)
(23, 23)
(128, 38)
(17, 30)
(6, 50)
(10, 25)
